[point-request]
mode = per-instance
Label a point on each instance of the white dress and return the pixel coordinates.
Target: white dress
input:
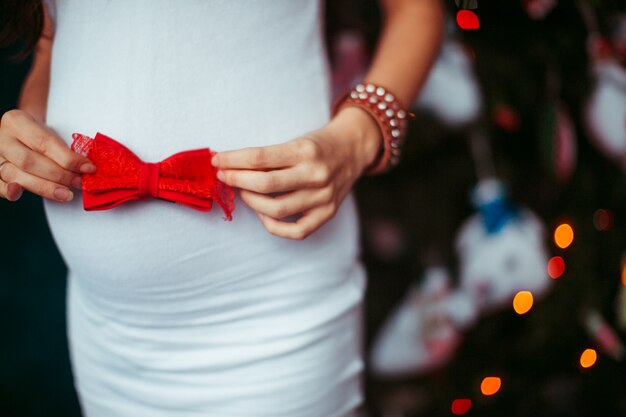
(176, 312)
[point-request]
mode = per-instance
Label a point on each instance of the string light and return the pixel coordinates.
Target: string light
(603, 219)
(467, 20)
(563, 235)
(461, 406)
(588, 358)
(523, 302)
(490, 385)
(556, 267)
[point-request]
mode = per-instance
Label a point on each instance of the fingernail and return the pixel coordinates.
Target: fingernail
(77, 182)
(220, 175)
(88, 168)
(214, 161)
(63, 194)
(18, 194)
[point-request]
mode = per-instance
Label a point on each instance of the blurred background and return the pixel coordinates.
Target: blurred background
(496, 250)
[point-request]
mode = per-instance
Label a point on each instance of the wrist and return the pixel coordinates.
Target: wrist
(364, 134)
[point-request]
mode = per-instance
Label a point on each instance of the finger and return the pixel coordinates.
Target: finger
(278, 180)
(286, 204)
(11, 191)
(273, 156)
(44, 188)
(303, 227)
(43, 140)
(37, 164)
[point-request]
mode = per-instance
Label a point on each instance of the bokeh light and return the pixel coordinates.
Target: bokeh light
(490, 385)
(556, 267)
(523, 302)
(602, 220)
(588, 358)
(461, 406)
(563, 235)
(467, 20)
(624, 273)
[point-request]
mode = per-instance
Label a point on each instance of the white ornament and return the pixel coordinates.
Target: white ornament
(496, 264)
(451, 91)
(418, 335)
(605, 114)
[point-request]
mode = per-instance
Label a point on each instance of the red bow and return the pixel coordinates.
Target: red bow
(187, 177)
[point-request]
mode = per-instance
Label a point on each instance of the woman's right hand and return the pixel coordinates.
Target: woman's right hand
(37, 160)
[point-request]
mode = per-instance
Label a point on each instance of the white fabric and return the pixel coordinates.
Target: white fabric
(175, 312)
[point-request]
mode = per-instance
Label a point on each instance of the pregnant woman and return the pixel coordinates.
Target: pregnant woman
(173, 311)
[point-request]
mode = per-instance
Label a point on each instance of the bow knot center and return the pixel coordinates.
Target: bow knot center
(149, 179)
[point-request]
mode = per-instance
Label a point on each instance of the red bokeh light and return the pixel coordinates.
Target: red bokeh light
(467, 20)
(556, 267)
(461, 406)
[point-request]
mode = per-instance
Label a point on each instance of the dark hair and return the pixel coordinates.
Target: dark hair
(21, 25)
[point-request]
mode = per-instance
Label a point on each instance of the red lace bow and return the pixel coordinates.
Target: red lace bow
(187, 177)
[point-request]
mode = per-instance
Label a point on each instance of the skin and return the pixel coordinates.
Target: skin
(313, 173)
(39, 160)
(318, 169)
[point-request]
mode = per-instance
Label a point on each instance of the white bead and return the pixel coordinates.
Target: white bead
(389, 113)
(362, 96)
(393, 123)
(395, 133)
(382, 106)
(354, 94)
(370, 88)
(373, 99)
(401, 114)
(388, 97)
(360, 88)
(380, 91)
(395, 144)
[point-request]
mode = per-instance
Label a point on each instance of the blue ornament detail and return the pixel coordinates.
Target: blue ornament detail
(489, 198)
(496, 214)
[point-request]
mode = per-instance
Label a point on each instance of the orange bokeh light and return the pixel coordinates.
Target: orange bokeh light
(588, 358)
(490, 385)
(556, 267)
(523, 302)
(563, 235)
(624, 273)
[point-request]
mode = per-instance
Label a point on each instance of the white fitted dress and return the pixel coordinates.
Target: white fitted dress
(176, 312)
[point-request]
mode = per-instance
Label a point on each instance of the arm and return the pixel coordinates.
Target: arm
(406, 49)
(318, 169)
(34, 94)
(408, 45)
(32, 156)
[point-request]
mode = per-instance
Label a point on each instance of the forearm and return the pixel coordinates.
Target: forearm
(34, 93)
(409, 42)
(407, 47)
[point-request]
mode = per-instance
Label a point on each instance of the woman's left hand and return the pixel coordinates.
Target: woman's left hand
(314, 172)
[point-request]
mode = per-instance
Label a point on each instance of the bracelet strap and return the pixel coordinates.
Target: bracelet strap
(388, 113)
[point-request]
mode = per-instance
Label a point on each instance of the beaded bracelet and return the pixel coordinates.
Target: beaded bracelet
(389, 115)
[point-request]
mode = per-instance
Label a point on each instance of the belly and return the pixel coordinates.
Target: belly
(155, 251)
(156, 77)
